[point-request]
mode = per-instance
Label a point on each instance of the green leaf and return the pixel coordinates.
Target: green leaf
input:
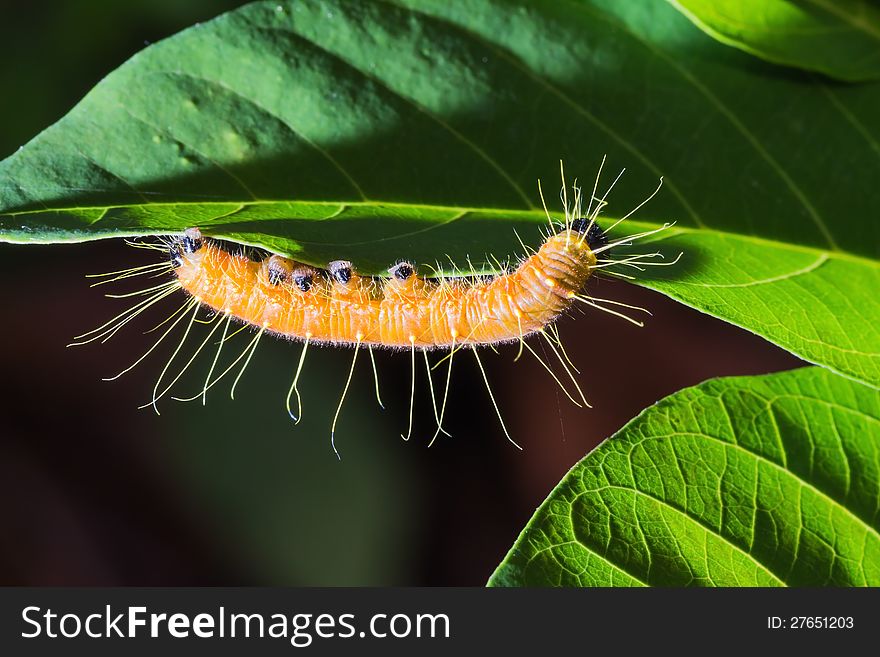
(840, 38)
(745, 481)
(374, 131)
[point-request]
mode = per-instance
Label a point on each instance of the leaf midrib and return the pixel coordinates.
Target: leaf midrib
(838, 254)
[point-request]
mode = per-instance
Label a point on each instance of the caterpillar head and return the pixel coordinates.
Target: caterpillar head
(188, 244)
(593, 234)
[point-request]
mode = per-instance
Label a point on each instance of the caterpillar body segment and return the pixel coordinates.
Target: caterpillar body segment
(403, 311)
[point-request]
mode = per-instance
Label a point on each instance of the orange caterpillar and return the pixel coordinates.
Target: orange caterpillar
(337, 306)
(295, 300)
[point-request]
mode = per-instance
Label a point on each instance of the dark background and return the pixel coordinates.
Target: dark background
(94, 491)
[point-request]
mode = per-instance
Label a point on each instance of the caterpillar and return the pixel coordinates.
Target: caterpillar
(336, 306)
